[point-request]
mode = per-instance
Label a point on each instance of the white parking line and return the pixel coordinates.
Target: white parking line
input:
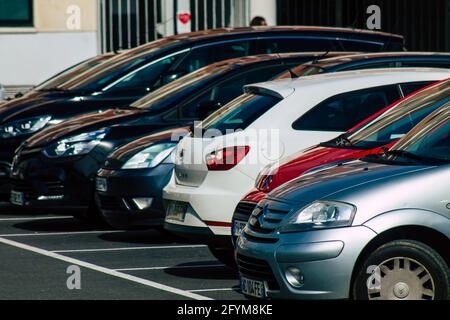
(128, 248)
(104, 270)
(56, 233)
(212, 290)
(35, 218)
(174, 267)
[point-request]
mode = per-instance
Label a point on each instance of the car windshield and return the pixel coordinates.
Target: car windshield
(190, 81)
(54, 82)
(239, 113)
(100, 76)
(428, 142)
(395, 122)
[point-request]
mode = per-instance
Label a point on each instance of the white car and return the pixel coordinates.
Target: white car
(213, 171)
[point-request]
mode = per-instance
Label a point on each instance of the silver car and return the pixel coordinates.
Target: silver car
(375, 228)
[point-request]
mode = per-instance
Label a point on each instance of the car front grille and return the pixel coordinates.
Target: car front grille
(265, 220)
(32, 190)
(257, 269)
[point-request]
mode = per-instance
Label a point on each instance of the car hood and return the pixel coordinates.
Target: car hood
(117, 158)
(331, 180)
(80, 124)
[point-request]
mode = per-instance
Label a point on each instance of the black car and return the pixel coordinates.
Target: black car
(372, 61)
(118, 204)
(56, 167)
(130, 75)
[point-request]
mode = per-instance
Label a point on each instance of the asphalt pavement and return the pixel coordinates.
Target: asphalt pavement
(45, 256)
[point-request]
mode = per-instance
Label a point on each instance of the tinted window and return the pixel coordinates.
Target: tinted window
(298, 45)
(239, 113)
(400, 119)
(204, 56)
(408, 88)
(344, 111)
(144, 79)
(380, 65)
(351, 45)
(431, 138)
(427, 64)
(16, 13)
(225, 91)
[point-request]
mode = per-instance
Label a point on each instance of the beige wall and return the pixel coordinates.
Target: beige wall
(65, 15)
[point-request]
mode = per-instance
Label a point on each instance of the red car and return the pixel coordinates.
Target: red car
(369, 137)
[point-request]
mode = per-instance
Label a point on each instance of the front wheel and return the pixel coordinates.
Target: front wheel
(403, 270)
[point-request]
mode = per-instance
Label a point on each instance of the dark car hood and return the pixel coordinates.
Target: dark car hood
(117, 158)
(323, 183)
(79, 124)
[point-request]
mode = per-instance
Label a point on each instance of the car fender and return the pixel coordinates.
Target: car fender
(410, 217)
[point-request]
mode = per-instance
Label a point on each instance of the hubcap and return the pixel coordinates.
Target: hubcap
(401, 278)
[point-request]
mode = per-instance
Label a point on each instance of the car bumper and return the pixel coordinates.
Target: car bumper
(117, 204)
(55, 183)
(209, 206)
(326, 259)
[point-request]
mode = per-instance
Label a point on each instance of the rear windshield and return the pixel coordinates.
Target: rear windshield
(239, 113)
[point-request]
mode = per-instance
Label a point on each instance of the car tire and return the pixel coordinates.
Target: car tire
(225, 255)
(403, 270)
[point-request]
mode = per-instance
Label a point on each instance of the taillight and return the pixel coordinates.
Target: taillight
(226, 159)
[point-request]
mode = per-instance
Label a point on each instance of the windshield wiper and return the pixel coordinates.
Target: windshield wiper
(407, 155)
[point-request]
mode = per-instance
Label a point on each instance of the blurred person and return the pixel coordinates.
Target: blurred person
(258, 21)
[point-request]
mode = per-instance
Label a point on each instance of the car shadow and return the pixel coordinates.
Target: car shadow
(56, 225)
(211, 271)
(149, 237)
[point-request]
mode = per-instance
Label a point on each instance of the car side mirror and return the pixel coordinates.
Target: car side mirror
(205, 108)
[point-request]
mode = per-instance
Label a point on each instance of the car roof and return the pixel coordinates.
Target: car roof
(330, 62)
(332, 82)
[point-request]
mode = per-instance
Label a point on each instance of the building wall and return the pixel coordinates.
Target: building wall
(64, 32)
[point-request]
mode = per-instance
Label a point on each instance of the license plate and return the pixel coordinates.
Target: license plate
(253, 288)
(176, 211)
(17, 198)
(101, 184)
(238, 227)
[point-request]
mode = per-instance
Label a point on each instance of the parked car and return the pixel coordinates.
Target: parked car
(372, 61)
(370, 137)
(70, 154)
(132, 74)
(218, 165)
(2, 93)
(375, 229)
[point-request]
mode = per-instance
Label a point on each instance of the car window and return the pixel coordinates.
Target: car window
(408, 88)
(222, 93)
(401, 118)
(239, 113)
(379, 65)
(298, 45)
(430, 139)
(203, 56)
(427, 64)
(344, 111)
(145, 78)
(361, 46)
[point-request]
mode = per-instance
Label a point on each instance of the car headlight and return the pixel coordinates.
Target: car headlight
(21, 127)
(76, 145)
(320, 215)
(150, 157)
